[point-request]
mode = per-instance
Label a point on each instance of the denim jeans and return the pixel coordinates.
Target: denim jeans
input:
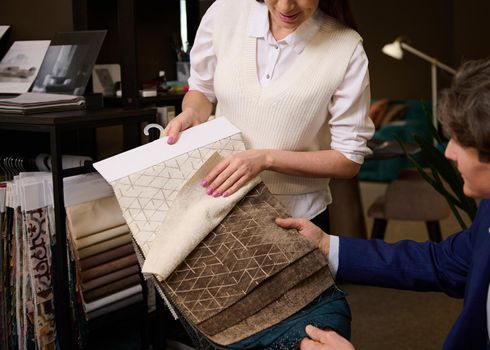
(330, 310)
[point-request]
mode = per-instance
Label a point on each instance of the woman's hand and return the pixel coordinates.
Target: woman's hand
(308, 229)
(196, 109)
(183, 121)
(234, 171)
(324, 340)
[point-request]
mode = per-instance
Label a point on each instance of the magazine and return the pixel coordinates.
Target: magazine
(35, 102)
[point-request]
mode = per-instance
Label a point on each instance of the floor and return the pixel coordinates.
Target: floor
(382, 318)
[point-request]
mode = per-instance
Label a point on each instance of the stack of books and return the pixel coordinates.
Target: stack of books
(34, 102)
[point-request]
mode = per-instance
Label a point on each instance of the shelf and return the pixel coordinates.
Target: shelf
(145, 101)
(55, 124)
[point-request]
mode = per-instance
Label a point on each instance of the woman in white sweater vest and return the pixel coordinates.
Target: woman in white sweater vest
(292, 75)
(295, 81)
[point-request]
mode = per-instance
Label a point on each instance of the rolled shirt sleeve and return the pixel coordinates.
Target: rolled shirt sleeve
(350, 125)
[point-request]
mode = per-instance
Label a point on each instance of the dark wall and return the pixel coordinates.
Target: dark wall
(448, 30)
(471, 29)
(425, 23)
(36, 20)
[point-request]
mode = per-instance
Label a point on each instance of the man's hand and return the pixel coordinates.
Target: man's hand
(309, 230)
(324, 340)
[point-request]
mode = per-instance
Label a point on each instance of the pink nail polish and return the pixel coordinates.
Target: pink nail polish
(210, 191)
(204, 182)
(226, 194)
(216, 194)
(170, 140)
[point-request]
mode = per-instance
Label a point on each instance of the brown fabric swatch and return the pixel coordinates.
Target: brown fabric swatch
(109, 267)
(246, 248)
(118, 305)
(103, 246)
(106, 256)
(99, 237)
(112, 298)
(288, 304)
(266, 293)
(111, 277)
(246, 264)
(111, 288)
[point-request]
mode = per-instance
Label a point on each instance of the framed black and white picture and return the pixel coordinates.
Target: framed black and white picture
(68, 63)
(20, 65)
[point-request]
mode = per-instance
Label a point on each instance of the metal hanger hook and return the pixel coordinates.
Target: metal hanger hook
(147, 128)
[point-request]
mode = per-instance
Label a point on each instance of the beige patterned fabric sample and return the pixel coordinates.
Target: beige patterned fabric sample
(146, 195)
(189, 220)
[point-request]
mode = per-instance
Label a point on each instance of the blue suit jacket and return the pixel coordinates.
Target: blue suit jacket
(458, 266)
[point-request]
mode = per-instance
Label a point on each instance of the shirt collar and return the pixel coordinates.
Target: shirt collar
(258, 27)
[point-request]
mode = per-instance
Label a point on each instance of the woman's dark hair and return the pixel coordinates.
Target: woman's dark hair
(339, 9)
(464, 108)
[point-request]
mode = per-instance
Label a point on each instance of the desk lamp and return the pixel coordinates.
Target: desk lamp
(395, 50)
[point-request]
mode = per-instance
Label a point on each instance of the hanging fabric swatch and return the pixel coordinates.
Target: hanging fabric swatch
(107, 270)
(32, 321)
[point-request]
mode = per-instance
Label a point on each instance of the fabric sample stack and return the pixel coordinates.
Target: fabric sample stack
(100, 241)
(27, 301)
(221, 263)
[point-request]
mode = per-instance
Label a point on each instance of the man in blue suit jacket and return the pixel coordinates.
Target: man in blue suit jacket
(458, 266)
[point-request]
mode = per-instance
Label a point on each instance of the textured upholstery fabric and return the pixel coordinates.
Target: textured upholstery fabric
(239, 273)
(191, 217)
(233, 283)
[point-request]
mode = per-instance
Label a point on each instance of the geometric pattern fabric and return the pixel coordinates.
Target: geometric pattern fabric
(146, 195)
(245, 249)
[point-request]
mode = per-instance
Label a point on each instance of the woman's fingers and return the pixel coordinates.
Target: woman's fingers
(227, 191)
(173, 130)
(181, 122)
(225, 180)
(228, 176)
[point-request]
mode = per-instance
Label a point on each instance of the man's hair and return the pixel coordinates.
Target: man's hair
(464, 108)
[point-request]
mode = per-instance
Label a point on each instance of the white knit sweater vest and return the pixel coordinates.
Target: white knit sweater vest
(283, 115)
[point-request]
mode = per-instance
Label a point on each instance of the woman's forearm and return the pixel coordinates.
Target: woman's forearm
(197, 106)
(327, 163)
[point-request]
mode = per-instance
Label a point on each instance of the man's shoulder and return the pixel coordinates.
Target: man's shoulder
(483, 210)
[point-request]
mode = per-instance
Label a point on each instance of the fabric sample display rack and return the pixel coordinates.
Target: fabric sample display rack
(54, 125)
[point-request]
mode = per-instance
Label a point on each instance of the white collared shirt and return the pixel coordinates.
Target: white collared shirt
(488, 311)
(348, 107)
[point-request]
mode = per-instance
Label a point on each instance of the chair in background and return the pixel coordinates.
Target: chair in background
(409, 197)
